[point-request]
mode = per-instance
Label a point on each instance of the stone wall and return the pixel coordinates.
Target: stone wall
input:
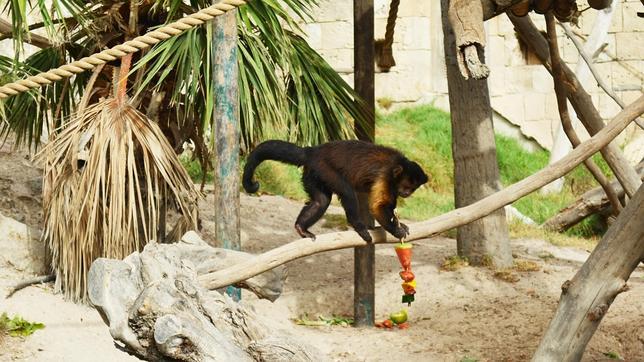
(521, 93)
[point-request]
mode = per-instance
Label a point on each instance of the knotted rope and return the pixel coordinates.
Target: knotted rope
(383, 46)
(121, 50)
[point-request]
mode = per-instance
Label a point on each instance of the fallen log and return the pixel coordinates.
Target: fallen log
(591, 202)
(586, 298)
(348, 239)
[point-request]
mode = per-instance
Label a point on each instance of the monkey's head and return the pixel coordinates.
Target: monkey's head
(409, 176)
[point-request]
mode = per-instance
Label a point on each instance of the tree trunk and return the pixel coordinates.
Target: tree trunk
(226, 130)
(562, 146)
(476, 172)
(586, 298)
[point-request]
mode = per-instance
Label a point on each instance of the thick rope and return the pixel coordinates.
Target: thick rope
(121, 50)
(391, 23)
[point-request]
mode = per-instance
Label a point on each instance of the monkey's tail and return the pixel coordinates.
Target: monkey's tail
(271, 150)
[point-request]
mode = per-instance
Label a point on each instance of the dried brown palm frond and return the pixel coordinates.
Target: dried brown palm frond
(104, 177)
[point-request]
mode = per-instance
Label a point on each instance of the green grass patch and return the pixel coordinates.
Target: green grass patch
(320, 321)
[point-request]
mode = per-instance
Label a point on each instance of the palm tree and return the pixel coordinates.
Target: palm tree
(101, 205)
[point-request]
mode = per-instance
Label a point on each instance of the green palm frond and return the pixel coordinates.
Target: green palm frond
(54, 15)
(287, 90)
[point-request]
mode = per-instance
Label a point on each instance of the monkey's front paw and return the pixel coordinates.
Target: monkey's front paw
(402, 231)
(364, 234)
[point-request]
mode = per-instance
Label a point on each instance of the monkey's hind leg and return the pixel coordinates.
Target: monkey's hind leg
(313, 210)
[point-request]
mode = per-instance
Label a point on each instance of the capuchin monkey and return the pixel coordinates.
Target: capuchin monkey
(344, 168)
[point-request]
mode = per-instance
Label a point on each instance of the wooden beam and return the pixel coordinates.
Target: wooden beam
(226, 130)
(364, 257)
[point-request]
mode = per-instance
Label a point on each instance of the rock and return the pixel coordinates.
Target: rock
(154, 306)
(21, 247)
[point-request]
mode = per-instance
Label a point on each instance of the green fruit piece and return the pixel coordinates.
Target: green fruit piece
(403, 246)
(399, 317)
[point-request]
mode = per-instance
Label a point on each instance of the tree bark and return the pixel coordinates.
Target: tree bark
(586, 298)
(466, 20)
(476, 172)
(591, 202)
(226, 131)
(582, 103)
(455, 218)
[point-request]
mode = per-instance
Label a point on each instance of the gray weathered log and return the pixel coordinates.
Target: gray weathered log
(591, 202)
(155, 307)
(586, 298)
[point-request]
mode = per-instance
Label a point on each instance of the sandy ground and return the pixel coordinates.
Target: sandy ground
(464, 313)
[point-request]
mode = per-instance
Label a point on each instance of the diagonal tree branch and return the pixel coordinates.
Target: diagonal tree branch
(348, 239)
(566, 122)
(582, 103)
(31, 38)
(593, 70)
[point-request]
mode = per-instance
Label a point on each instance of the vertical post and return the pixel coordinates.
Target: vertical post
(364, 257)
(476, 170)
(226, 133)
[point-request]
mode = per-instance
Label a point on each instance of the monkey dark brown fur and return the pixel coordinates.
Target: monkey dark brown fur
(344, 168)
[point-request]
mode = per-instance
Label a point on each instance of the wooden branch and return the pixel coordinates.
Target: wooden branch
(594, 72)
(333, 241)
(582, 103)
(562, 105)
(31, 38)
(466, 19)
(591, 202)
(586, 298)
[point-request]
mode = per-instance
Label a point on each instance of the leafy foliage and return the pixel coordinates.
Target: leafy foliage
(18, 326)
(286, 89)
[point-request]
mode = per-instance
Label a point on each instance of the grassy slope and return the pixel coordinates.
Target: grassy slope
(423, 134)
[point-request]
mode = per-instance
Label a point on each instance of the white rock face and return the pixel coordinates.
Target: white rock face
(21, 247)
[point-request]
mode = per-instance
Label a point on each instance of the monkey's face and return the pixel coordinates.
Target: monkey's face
(411, 178)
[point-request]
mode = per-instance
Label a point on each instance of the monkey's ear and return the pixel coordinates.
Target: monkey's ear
(397, 170)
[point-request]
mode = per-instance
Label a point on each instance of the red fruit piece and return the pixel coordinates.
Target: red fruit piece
(407, 275)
